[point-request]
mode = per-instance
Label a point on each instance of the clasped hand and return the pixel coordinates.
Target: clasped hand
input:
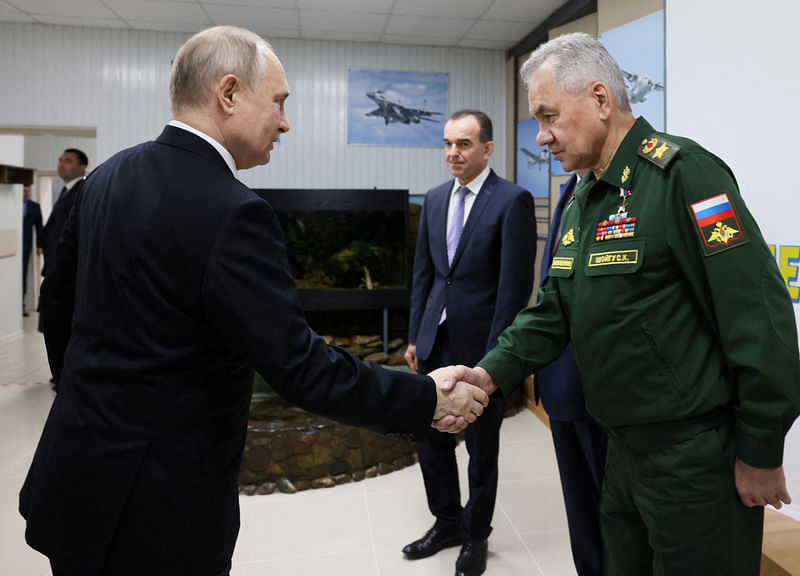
(460, 397)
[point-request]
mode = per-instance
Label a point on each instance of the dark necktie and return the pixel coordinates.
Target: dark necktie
(61, 194)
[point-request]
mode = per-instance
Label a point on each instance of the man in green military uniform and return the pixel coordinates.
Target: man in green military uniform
(680, 322)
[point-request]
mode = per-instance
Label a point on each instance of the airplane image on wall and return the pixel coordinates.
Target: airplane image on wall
(534, 159)
(640, 86)
(395, 112)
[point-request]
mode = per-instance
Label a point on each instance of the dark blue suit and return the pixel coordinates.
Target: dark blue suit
(489, 281)
(179, 282)
(31, 220)
(580, 444)
(55, 225)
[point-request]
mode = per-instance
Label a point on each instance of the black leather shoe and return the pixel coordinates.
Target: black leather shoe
(472, 558)
(435, 539)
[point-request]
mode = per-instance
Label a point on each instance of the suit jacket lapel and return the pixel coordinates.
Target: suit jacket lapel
(475, 214)
(438, 204)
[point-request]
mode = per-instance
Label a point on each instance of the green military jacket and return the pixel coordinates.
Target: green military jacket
(672, 300)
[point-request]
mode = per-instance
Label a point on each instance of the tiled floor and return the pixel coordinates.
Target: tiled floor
(351, 530)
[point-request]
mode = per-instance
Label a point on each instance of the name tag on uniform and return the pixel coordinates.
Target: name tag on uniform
(623, 257)
(614, 258)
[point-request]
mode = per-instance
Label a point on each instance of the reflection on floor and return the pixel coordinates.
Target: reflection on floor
(352, 530)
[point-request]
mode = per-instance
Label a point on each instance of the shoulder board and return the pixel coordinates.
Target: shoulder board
(658, 150)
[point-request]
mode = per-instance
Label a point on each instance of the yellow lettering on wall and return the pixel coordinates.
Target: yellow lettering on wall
(788, 259)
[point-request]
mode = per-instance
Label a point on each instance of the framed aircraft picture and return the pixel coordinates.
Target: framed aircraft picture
(533, 161)
(638, 47)
(396, 108)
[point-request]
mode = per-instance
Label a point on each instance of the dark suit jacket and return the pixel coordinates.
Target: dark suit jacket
(55, 225)
(180, 284)
(559, 385)
(30, 221)
(486, 286)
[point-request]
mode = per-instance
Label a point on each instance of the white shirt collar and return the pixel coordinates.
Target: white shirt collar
(475, 184)
(71, 183)
(227, 156)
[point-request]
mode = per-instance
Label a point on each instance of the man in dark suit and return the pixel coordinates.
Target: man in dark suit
(172, 283)
(473, 271)
(31, 220)
(71, 169)
(580, 443)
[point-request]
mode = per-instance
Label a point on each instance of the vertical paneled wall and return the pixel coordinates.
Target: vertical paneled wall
(116, 81)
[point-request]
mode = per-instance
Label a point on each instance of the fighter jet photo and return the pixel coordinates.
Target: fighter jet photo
(640, 86)
(395, 112)
(534, 159)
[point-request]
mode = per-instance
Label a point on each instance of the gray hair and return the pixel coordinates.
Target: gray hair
(208, 56)
(578, 60)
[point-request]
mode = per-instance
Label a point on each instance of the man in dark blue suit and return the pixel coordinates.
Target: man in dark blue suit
(473, 271)
(31, 221)
(172, 284)
(580, 444)
(71, 169)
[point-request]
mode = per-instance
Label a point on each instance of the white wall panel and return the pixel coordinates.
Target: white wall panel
(116, 81)
(731, 85)
(11, 154)
(11, 261)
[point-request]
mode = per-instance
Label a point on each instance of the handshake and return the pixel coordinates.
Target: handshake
(462, 393)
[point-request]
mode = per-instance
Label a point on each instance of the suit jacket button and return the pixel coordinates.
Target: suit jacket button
(449, 280)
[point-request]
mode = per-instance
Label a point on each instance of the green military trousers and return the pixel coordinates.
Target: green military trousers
(674, 510)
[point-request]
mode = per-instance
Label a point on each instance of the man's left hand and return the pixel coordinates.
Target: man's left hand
(761, 486)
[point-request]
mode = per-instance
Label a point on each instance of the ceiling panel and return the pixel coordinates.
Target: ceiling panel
(371, 6)
(155, 10)
(69, 8)
(275, 18)
(442, 8)
(418, 40)
(497, 30)
(419, 25)
(522, 10)
(491, 24)
(257, 3)
(353, 22)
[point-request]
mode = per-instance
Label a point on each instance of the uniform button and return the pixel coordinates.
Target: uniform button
(449, 280)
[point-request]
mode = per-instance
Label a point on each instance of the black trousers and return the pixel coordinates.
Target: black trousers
(26, 257)
(580, 447)
(437, 459)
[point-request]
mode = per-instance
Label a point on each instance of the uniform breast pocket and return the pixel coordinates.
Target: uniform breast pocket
(610, 258)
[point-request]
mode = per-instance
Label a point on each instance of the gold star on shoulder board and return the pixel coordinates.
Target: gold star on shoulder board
(659, 153)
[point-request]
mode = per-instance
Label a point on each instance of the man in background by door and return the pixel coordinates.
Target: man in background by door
(71, 169)
(31, 219)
